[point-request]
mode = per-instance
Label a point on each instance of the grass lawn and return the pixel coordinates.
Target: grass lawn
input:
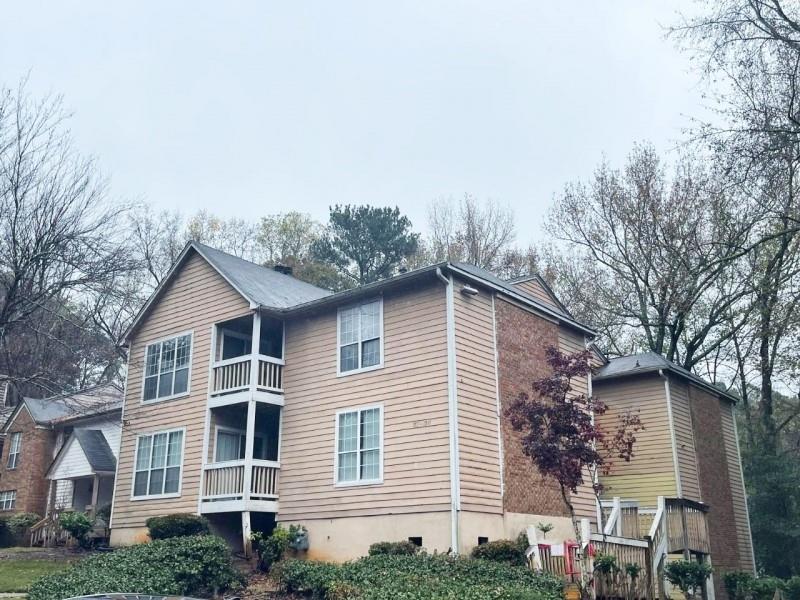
(16, 574)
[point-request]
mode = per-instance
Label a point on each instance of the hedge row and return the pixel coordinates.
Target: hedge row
(197, 566)
(419, 577)
(741, 585)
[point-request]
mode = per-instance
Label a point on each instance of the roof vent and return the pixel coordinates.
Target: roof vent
(285, 269)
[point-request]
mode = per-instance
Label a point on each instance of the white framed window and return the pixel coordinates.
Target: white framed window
(167, 368)
(359, 446)
(14, 449)
(8, 499)
(360, 333)
(230, 445)
(158, 464)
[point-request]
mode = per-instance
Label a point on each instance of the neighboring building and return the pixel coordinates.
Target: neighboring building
(60, 452)
(687, 450)
(371, 414)
(9, 398)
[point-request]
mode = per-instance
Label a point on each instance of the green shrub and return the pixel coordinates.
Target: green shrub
(764, 588)
(419, 577)
(272, 548)
(77, 524)
(687, 575)
(506, 551)
(405, 548)
(793, 588)
(176, 525)
(22, 522)
(194, 566)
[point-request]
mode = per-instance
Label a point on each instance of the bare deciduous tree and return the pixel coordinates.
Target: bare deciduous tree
(471, 232)
(59, 236)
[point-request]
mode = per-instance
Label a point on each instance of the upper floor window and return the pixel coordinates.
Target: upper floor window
(359, 446)
(361, 337)
(159, 457)
(8, 500)
(166, 372)
(14, 450)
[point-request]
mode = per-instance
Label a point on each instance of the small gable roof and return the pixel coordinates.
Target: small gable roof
(652, 362)
(96, 448)
(85, 452)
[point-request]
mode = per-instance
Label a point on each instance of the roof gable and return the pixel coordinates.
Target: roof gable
(536, 286)
(85, 452)
(261, 287)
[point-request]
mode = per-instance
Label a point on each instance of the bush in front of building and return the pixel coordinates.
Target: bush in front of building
(77, 524)
(194, 566)
(404, 548)
(176, 525)
(419, 577)
(742, 585)
(511, 552)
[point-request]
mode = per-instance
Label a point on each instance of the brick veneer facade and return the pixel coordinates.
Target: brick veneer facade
(715, 484)
(522, 339)
(28, 479)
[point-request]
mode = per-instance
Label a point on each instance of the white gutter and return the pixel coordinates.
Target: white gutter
(452, 413)
(678, 488)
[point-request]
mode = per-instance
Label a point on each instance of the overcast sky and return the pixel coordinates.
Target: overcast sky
(250, 108)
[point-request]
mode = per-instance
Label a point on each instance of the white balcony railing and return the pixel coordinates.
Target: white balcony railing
(234, 374)
(226, 481)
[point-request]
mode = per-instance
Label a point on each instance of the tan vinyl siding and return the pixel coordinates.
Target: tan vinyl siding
(538, 291)
(737, 486)
(651, 471)
(197, 298)
(411, 386)
(571, 342)
(479, 450)
(684, 439)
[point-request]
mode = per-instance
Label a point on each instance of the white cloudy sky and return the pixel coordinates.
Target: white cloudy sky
(248, 108)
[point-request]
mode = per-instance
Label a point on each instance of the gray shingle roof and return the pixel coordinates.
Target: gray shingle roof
(649, 362)
(84, 403)
(96, 448)
(261, 285)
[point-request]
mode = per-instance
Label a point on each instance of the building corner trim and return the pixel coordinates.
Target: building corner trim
(670, 416)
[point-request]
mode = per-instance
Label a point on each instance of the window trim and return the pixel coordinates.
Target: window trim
(339, 310)
(188, 391)
(13, 495)
(357, 482)
(149, 496)
(16, 435)
(241, 432)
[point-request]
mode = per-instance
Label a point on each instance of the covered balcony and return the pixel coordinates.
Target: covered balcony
(242, 460)
(240, 369)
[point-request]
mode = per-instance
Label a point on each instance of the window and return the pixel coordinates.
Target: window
(14, 450)
(166, 371)
(158, 464)
(8, 499)
(360, 336)
(359, 440)
(231, 446)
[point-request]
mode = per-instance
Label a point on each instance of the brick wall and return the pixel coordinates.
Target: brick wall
(36, 455)
(522, 338)
(715, 485)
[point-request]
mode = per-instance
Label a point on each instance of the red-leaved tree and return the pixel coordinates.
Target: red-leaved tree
(561, 435)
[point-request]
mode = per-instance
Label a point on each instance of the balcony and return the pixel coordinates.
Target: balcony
(242, 370)
(242, 458)
(224, 486)
(234, 375)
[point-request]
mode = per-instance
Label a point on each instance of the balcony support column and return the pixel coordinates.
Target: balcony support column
(255, 350)
(247, 544)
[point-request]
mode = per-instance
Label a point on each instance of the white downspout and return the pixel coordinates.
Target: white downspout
(678, 488)
(452, 413)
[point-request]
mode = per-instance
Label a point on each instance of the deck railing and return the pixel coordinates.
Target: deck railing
(234, 374)
(226, 480)
(264, 482)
